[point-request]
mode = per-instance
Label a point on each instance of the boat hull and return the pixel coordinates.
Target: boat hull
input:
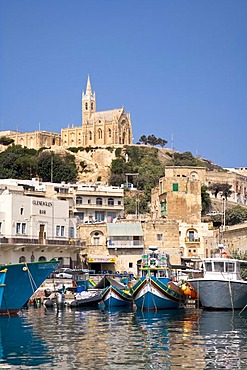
(92, 301)
(21, 281)
(114, 297)
(153, 294)
(221, 294)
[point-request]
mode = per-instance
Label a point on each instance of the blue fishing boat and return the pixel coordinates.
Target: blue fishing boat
(155, 289)
(115, 297)
(2, 283)
(21, 281)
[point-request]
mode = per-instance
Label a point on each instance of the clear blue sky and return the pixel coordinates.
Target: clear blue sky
(179, 67)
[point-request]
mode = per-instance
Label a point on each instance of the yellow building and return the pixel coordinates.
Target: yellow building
(105, 128)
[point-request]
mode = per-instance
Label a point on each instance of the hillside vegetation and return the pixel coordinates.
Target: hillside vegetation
(139, 165)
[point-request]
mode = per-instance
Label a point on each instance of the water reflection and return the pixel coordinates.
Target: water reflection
(116, 339)
(20, 345)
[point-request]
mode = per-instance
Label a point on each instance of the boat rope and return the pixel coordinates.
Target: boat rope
(230, 291)
(31, 279)
(243, 309)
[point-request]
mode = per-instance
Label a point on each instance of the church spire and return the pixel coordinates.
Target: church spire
(88, 102)
(88, 88)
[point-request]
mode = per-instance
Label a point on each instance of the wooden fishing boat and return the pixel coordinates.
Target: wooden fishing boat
(155, 289)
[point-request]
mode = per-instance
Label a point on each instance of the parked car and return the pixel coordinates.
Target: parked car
(63, 273)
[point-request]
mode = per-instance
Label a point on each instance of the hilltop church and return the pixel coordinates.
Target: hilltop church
(105, 128)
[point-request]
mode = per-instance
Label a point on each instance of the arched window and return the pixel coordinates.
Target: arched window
(109, 132)
(110, 202)
(86, 106)
(78, 200)
(32, 259)
(97, 238)
(22, 259)
(100, 133)
(91, 105)
(99, 201)
(42, 258)
(90, 135)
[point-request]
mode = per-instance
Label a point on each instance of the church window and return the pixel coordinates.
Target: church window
(92, 106)
(109, 132)
(100, 133)
(86, 106)
(90, 135)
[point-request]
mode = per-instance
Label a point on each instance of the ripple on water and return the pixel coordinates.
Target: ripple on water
(119, 339)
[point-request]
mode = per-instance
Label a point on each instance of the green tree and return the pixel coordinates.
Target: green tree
(206, 202)
(51, 166)
(17, 163)
(236, 215)
(224, 189)
(6, 140)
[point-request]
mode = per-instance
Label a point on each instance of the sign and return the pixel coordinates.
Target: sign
(101, 259)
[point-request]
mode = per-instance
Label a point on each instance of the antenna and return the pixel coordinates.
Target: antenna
(172, 143)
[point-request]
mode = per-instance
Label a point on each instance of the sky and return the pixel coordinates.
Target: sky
(179, 67)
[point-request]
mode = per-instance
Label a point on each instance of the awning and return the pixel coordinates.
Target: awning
(124, 229)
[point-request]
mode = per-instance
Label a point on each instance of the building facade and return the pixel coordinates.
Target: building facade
(35, 228)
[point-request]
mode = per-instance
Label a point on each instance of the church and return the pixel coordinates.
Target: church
(105, 128)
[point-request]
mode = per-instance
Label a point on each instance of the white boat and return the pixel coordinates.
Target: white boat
(221, 287)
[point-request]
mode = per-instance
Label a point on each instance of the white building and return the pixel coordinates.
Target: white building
(33, 228)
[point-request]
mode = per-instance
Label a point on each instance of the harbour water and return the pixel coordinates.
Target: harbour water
(123, 339)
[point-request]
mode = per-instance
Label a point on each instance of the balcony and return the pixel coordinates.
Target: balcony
(37, 241)
(122, 244)
(192, 240)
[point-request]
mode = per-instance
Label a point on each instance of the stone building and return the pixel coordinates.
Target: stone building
(33, 140)
(178, 197)
(105, 128)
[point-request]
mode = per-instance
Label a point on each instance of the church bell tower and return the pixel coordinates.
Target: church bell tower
(88, 103)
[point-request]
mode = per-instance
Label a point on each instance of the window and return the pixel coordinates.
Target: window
(100, 133)
(23, 228)
(219, 266)
(99, 216)
(57, 230)
(89, 201)
(159, 237)
(21, 210)
(92, 105)
(191, 236)
(90, 135)
(0, 227)
(229, 267)
(208, 266)
(32, 258)
(119, 202)
(109, 132)
(110, 202)
(42, 258)
(22, 259)
(62, 231)
(18, 228)
(78, 200)
(175, 186)
(99, 201)
(71, 232)
(86, 106)
(130, 265)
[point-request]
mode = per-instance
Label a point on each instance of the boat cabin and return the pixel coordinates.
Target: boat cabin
(220, 267)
